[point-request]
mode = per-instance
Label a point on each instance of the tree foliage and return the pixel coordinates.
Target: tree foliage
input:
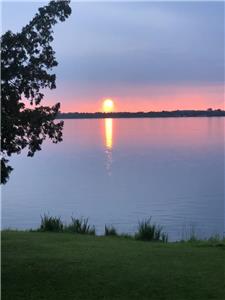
(27, 59)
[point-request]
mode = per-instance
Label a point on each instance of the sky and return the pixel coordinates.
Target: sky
(146, 56)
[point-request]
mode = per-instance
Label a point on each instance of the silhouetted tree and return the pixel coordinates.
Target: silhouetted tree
(27, 59)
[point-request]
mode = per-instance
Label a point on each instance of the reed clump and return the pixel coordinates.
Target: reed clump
(80, 226)
(49, 223)
(110, 231)
(55, 224)
(150, 232)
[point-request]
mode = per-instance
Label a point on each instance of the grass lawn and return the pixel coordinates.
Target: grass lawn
(65, 266)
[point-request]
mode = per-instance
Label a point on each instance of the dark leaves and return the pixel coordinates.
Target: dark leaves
(27, 59)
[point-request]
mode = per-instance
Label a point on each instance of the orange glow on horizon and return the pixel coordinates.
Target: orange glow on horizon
(140, 105)
(148, 98)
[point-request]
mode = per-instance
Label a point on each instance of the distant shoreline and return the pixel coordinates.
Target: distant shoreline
(162, 114)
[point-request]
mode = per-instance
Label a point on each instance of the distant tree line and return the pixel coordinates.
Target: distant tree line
(162, 114)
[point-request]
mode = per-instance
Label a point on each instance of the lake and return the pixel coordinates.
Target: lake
(121, 171)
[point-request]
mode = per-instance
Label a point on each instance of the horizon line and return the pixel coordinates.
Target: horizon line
(144, 112)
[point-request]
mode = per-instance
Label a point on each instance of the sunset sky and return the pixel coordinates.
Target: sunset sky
(145, 56)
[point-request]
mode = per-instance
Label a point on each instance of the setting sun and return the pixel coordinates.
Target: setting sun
(108, 105)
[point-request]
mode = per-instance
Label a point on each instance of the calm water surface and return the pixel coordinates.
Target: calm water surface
(120, 171)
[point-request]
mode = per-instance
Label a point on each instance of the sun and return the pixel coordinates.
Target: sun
(108, 105)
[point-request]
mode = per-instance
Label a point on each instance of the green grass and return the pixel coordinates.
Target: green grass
(43, 265)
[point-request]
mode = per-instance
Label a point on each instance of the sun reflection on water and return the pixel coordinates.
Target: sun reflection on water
(108, 143)
(108, 133)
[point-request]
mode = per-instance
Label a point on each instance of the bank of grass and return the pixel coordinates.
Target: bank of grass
(43, 265)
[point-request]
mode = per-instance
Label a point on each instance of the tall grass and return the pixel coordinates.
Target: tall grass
(146, 230)
(49, 223)
(80, 226)
(216, 238)
(189, 233)
(110, 230)
(150, 232)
